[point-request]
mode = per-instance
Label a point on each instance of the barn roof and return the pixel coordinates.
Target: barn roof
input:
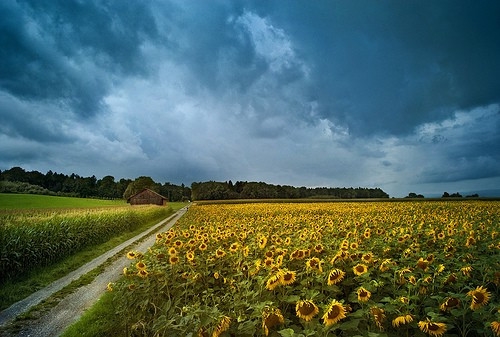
(146, 189)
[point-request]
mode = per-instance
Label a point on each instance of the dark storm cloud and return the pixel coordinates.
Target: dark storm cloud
(68, 51)
(386, 66)
(389, 94)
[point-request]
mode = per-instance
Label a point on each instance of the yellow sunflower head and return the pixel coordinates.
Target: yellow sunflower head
(142, 273)
(422, 264)
(495, 326)
(314, 264)
(131, 255)
(449, 303)
(306, 310)
(222, 326)
(334, 313)
(335, 276)
(360, 269)
(432, 328)
(401, 320)
(480, 296)
(219, 253)
(140, 265)
(378, 316)
(174, 259)
(271, 317)
(273, 282)
(287, 277)
(262, 242)
(363, 294)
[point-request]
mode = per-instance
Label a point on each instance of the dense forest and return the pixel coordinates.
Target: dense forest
(213, 190)
(17, 180)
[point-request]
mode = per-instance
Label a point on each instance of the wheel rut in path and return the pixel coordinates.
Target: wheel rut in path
(70, 308)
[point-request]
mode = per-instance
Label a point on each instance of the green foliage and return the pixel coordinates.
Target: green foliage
(213, 190)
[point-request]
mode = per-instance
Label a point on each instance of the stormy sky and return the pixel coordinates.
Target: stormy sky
(401, 95)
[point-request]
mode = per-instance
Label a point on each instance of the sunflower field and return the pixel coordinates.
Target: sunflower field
(427, 268)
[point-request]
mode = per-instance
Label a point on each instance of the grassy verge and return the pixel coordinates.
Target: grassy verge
(15, 290)
(99, 321)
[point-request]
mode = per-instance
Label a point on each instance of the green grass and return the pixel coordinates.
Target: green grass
(99, 321)
(11, 201)
(15, 290)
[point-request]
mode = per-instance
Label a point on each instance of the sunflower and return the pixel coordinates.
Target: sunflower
(335, 312)
(268, 262)
(271, 317)
(131, 255)
(363, 294)
(452, 278)
(273, 282)
(173, 259)
(222, 326)
(219, 253)
(432, 328)
(479, 297)
(422, 264)
(178, 243)
(234, 247)
(495, 326)
(367, 258)
(262, 242)
(318, 248)
(470, 242)
(354, 245)
(142, 273)
(449, 303)
(403, 319)
(287, 241)
(378, 316)
(315, 264)
(384, 265)
(306, 310)
(466, 270)
(109, 287)
(360, 269)
(140, 265)
(269, 253)
(202, 246)
(172, 251)
(335, 276)
(287, 277)
(190, 256)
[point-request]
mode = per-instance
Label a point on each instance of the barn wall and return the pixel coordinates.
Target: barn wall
(146, 197)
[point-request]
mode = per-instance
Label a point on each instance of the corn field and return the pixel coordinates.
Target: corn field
(37, 238)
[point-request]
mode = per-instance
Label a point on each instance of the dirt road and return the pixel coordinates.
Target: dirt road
(68, 311)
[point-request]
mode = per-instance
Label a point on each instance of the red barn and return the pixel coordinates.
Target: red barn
(147, 196)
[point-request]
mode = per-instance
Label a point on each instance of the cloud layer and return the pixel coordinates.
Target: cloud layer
(402, 96)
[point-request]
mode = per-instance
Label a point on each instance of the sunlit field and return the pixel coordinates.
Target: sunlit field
(319, 269)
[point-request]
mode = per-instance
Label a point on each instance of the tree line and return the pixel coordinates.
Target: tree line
(213, 190)
(18, 180)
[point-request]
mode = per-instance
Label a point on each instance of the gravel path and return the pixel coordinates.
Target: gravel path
(68, 310)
